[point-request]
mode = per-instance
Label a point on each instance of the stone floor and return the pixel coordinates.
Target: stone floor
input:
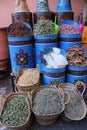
(60, 124)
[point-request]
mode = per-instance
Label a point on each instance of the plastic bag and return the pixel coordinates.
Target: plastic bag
(21, 6)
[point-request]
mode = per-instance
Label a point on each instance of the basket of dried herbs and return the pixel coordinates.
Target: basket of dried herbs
(75, 109)
(16, 112)
(47, 104)
(28, 79)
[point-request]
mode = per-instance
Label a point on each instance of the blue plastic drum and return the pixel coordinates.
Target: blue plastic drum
(75, 73)
(21, 51)
(66, 41)
(50, 75)
(43, 44)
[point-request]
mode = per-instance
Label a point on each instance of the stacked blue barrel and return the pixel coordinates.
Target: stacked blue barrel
(77, 65)
(20, 38)
(45, 38)
(69, 34)
(54, 67)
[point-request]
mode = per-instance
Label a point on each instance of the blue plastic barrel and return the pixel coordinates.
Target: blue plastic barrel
(66, 41)
(42, 45)
(21, 51)
(75, 73)
(64, 6)
(50, 75)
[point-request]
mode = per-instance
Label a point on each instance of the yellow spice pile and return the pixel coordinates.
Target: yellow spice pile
(28, 77)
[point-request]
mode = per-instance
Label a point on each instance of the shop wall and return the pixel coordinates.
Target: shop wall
(7, 7)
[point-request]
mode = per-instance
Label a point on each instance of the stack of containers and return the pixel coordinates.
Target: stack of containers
(20, 47)
(43, 43)
(69, 35)
(64, 10)
(45, 40)
(54, 67)
(77, 65)
(21, 12)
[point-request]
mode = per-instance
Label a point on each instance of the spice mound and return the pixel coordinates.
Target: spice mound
(68, 29)
(28, 77)
(16, 111)
(19, 29)
(43, 27)
(47, 102)
(76, 56)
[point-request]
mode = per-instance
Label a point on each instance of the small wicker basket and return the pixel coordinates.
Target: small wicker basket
(25, 89)
(74, 94)
(50, 118)
(27, 124)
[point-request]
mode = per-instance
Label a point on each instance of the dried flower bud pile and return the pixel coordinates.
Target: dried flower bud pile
(68, 29)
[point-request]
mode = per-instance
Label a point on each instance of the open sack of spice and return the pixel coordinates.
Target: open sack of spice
(27, 79)
(21, 6)
(75, 109)
(55, 59)
(47, 104)
(16, 112)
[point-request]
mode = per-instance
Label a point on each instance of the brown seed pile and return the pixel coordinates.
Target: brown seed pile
(76, 56)
(19, 29)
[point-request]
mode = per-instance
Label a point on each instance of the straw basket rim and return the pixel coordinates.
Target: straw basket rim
(80, 118)
(9, 97)
(54, 89)
(28, 86)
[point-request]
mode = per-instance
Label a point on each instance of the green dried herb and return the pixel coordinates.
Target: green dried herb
(47, 102)
(15, 112)
(44, 27)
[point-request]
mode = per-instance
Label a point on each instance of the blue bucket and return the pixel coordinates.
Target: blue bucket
(67, 45)
(50, 74)
(75, 73)
(72, 78)
(64, 6)
(42, 45)
(66, 41)
(21, 51)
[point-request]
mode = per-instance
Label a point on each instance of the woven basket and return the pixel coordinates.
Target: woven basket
(46, 119)
(71, 89)
(25, 89)
(27, 124)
